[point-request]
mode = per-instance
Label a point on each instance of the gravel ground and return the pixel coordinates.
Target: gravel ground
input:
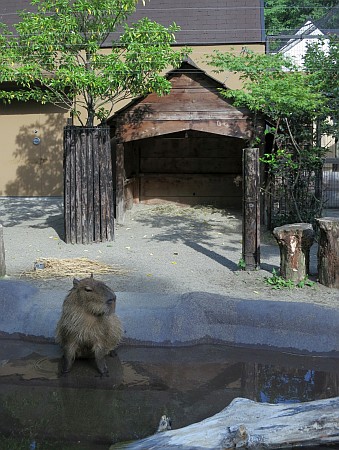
(161, 249)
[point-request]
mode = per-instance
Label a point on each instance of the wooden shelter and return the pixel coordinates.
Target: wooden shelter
(185, 147)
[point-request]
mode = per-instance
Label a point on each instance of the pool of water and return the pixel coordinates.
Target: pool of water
(40, 410)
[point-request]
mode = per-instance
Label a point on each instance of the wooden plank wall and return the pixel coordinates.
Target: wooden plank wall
(190, 168)
(88, 185)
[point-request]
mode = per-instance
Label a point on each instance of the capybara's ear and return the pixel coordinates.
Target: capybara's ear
(75, 282)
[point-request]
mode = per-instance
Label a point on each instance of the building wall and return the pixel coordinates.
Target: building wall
(36, 170)
(29, 169)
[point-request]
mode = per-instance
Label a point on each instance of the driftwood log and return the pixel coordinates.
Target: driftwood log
(328, 251)
(295, 241)
(2, 253)
(249, 425)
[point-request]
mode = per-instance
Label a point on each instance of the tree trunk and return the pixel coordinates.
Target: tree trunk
(251, 209)
(245, 424)
(328, 251)
(88, 185)
(295, 241)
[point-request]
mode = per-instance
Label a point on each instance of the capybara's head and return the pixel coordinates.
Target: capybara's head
(94, 296)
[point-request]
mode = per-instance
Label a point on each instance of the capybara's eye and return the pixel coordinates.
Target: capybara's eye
(88, 289)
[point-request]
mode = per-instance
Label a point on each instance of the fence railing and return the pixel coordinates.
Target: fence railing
(331, 183)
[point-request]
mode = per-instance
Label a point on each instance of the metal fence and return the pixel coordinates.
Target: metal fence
(331, 183)
(294, 198)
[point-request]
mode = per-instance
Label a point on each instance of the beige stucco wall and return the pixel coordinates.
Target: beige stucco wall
(27, 169)
(36, 170)
(198, 55)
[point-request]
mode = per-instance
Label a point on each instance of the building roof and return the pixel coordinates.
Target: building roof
(328, 24)
(202, 22)
(194, 103)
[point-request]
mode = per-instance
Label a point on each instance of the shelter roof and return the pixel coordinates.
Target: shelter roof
(194, 103)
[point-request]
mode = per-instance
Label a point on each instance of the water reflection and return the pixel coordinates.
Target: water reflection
(279, 386)
(40, 410)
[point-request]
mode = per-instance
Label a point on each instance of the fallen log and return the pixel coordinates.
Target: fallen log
(249, 425)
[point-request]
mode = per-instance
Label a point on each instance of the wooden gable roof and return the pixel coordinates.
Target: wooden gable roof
(194, 103)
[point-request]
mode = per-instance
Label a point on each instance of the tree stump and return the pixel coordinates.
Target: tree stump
(328, 251)
(295, 241)
(2, 253)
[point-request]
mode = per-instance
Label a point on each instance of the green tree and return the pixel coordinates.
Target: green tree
(272, 85)
(55, 55)
(287, 15)
(321, 63)
(291, 101)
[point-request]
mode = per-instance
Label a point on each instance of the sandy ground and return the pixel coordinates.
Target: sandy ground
(158, 249)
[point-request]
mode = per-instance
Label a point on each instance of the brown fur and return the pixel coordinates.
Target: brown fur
(88, 325)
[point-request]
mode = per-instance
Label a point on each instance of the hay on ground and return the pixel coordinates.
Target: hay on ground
(72, 267)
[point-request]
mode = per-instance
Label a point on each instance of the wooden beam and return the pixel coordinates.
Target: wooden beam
(238, 128)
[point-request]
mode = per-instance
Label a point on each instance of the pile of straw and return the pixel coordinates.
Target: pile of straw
(72, 267)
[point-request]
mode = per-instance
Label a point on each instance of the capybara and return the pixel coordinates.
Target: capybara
(88, 326)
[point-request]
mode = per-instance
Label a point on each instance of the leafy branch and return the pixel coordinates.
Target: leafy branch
(56, 56)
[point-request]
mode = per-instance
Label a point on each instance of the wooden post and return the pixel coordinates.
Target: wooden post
(328, 251)
(295, 241)
(251, 209)
(120, 179)
(88, 185)
(2, 253)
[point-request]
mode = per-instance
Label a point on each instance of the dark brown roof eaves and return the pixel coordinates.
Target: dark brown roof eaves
(202, 22)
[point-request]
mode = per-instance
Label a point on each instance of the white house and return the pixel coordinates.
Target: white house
(296, 47)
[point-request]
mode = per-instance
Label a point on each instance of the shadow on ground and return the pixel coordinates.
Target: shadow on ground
(201, 229)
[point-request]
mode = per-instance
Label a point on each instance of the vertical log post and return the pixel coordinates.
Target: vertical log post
(2, 253)
(328, 251)
(251, 209)
(88, 185)
(295, 241)
(120, 179)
